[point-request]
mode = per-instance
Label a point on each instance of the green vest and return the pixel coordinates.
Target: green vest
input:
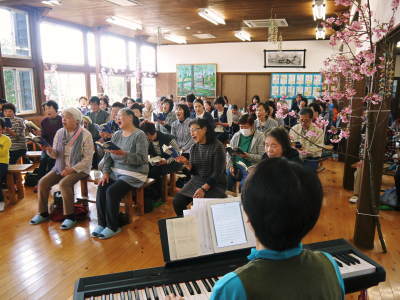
(307, 276)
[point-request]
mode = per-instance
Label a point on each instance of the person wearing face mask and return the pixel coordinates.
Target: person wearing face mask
(247, 149)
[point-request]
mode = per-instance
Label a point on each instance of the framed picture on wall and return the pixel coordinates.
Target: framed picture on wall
(199, 79)
(285, 58)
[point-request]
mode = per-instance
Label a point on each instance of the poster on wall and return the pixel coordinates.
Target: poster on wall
(291, 84)
(284, 58)
(199, 79)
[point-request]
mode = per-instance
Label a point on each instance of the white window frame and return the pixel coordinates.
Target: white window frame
(13, 28)
(18, 90)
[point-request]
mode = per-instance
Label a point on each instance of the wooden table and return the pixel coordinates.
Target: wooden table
(14, 177)
(34, 155)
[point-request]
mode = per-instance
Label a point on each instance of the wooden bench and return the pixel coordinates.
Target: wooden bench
(34, 155)
(14, 178)
(168, 186)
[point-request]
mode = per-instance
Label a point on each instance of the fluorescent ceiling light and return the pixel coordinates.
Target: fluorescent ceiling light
(320, 33)
(52, 2)
(211, 16)
(124, 2)
(124, 23)
(204, 36)
(398, 44)
(175, 38)
(243, 35)
(319, 9)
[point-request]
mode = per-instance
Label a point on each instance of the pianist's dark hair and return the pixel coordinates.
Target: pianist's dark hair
(282, 200)
(210, 134)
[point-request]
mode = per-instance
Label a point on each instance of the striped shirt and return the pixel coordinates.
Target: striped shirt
(18, 141)
(180, 130)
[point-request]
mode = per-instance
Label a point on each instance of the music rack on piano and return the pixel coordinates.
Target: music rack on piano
(196, 276)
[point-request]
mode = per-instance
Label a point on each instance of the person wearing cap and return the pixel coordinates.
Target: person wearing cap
(73, 151)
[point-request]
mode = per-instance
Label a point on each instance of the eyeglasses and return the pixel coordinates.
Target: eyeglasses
(194, 129)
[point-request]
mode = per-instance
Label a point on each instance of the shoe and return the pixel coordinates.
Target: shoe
(2, 206)
(353, 199)
(67, 224)
(38, 219)
(97, 231)
(108, 233)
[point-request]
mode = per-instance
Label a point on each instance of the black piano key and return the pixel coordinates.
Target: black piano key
(344, 260)
(216, 279)
(137, 296)
(339, 263)
(189, 287)
(166, 293)
(178, 288)
(103, 297)
(172, 290)
(147, 292)
(208, 288)
(211, 282)
(155, 294)
(356, 259)
(347, 259)
(196, 287)
(352, 259)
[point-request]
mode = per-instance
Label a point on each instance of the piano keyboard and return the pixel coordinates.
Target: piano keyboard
(351, 265)
(190, 290)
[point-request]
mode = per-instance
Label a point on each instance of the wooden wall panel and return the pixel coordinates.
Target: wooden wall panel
(256, 84)
(234, 87)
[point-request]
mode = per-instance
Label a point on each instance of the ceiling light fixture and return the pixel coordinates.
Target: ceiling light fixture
(212, 16)
(320, 33)
(398, 44)
(52, 2)
(175, 38)
(124, 3)
(243, 35)
(124, 23)
(319, 9)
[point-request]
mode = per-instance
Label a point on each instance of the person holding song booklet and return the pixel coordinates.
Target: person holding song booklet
(279, 267)
(206, 165)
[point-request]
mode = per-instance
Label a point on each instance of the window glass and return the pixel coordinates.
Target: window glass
(133, 87)
(113, 52)
(61, 44)
(114, 87)
(132, 55)
(149, 89)
(14, 33)
(148, 58)
(91, 48)
(65, 87)
(93, 85)
(19, 89)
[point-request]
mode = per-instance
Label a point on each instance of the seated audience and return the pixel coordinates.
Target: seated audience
(97, 115)
(180, 129)
(2, 102)
(104, 103)
(303, 103)
(316, 108)
(123, 169)
(307, 137)
(5, 144)
(235, 119)
(251, 109)
(16, 133)
(189, 102)
(111, 126)
(277, 144)
(206, 164)
(279, 266)
(208, 106)
(49, 127)
(264, 122)
(248, 147)
(158, 140)
(73, 151)
(130, 102)
(296, 103)
(223, 120)
(83, 105)
(137, 110)
(201, 113)
(166, 117)
(92, 128)
(148, 111)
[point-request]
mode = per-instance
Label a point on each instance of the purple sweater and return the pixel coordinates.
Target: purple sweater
(50, 127)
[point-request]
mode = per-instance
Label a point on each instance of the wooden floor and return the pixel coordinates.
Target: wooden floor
(43, 262)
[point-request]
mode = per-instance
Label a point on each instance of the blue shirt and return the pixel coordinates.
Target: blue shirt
(230, 286)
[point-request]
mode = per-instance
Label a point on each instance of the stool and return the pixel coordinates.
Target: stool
(139, 199)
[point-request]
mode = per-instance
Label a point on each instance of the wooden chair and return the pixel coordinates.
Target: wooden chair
(14, 178)
(168, 186)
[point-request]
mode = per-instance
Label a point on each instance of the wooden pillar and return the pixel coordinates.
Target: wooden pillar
(2, 85)
(100, 89)
(139, 70)
(86, 63)
(353, 142)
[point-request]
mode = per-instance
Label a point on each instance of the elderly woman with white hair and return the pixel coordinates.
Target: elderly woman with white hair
(73, 151)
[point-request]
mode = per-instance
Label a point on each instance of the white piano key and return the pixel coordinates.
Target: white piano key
(142, 294)
(357, 269)
(203, 289)
(160, 293)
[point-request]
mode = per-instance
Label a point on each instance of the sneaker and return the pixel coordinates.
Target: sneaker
(353, 199)
(2, 204)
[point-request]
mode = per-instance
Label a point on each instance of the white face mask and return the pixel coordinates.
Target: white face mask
(246, 131)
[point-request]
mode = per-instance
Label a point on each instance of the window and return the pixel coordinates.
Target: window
(19, 89)
(133, 87)
(149, 89)
(114, 88)
(113, 52)
(93, 85)
(148, 58)
(14, 33)
(65, 88)
(132, 55)
(61, 44)
(91, 48)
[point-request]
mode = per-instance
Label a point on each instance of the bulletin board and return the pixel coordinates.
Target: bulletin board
(291, 84)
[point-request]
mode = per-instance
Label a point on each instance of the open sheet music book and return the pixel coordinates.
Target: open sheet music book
(210, 226)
